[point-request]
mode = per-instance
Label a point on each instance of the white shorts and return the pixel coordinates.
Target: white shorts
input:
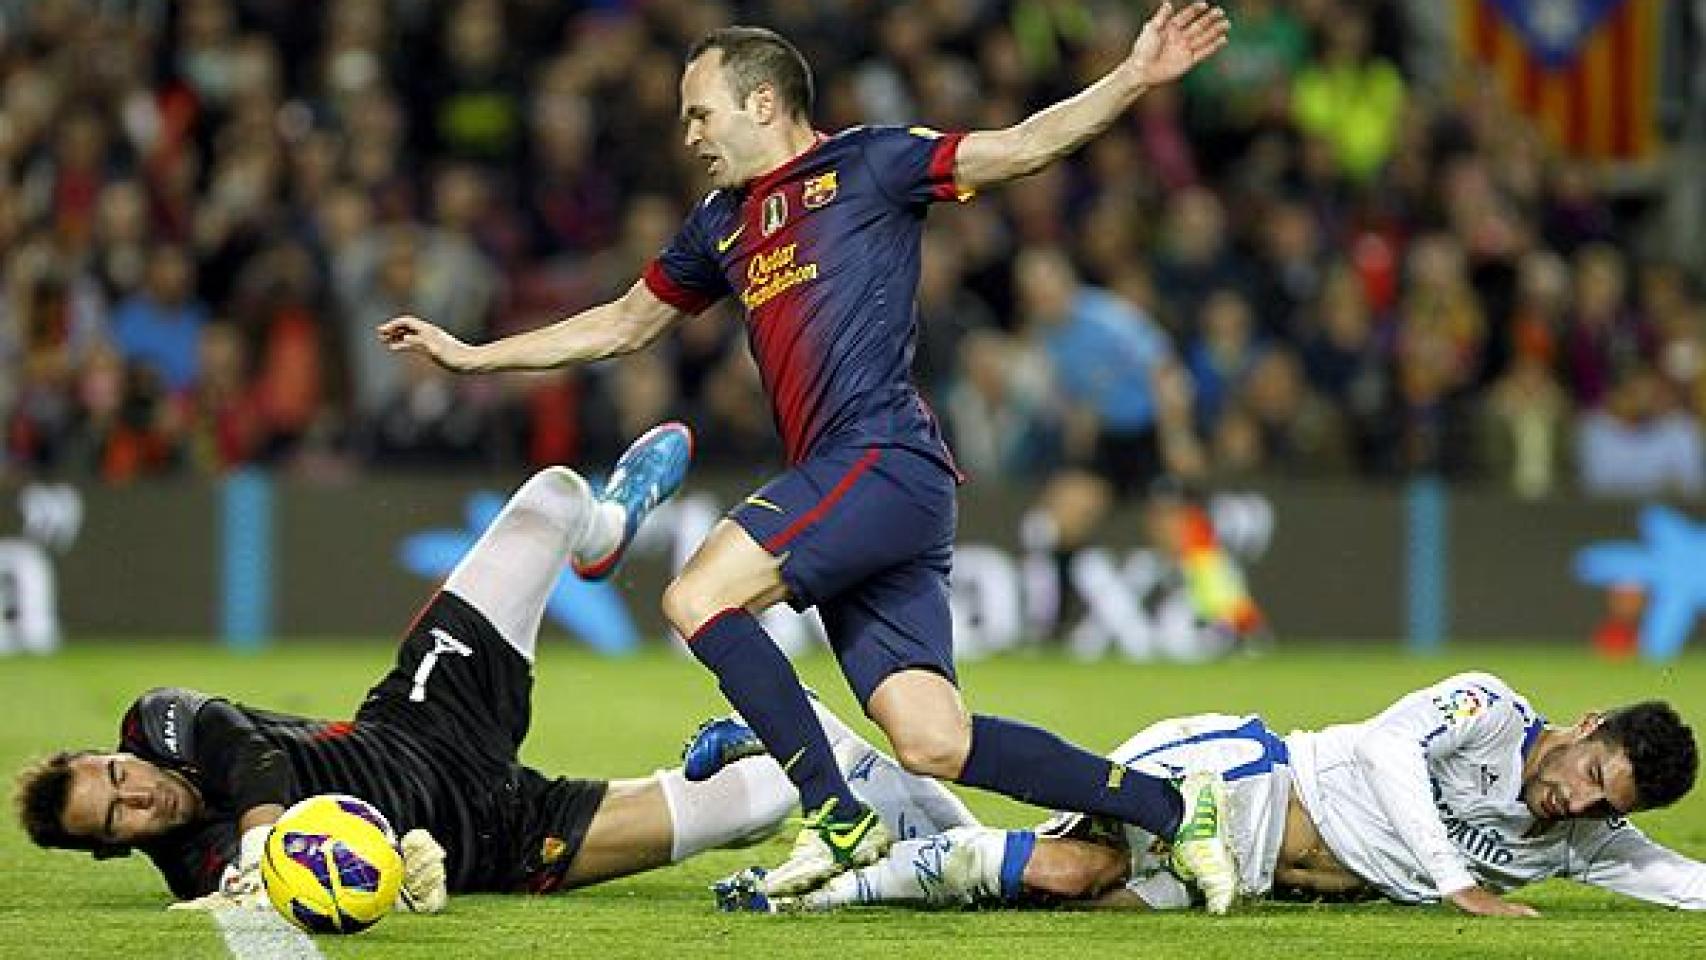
(1256, 765)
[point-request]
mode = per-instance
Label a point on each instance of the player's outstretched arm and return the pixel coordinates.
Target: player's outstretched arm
(1614, 855)
(1172, 42)
(621, 326)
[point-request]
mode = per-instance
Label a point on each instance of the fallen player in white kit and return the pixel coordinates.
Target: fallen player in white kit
(1458, 792)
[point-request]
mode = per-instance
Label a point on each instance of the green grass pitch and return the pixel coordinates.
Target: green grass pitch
(597, 717)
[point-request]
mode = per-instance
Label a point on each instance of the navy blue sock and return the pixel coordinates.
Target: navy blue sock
(1030, 764)
(759, 682)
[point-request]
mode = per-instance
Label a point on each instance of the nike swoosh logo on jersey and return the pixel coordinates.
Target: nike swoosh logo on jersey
(724, 244)
(761, 502)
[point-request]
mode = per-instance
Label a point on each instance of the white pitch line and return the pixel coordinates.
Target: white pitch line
(264, 935)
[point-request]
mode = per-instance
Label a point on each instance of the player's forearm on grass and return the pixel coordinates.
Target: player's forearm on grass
(1630, 863)
(609, 330)
(989, 157)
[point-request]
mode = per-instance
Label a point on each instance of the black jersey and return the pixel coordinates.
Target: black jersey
(433, 747)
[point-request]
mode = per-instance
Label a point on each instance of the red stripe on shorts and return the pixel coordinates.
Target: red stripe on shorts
(811, 516)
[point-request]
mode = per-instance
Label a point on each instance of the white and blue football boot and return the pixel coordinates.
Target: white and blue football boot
(647, 474)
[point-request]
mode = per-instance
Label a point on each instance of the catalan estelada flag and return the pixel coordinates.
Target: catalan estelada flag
(1586, 71)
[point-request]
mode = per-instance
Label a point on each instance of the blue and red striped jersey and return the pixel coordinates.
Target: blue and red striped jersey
(823, 254)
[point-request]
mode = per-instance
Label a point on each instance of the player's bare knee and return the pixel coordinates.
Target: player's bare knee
(938, 752)
(679, 606)
(551, 492)
(687, 604)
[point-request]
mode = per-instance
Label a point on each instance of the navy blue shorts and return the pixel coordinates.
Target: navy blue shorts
(866, 535)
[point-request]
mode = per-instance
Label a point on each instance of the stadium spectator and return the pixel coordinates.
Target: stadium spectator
(1605, 339)
(1640, 444)
(289, 353)
(1196, 258)
(1224, 350)
(1104, 356)
(1668, 301)
(1298, 433)
(998, 408)
(223, 418)
(1244, 91)
(474, 101)
(1345, 360)
(1349, 96)
(158, 328)
(1292, 267)
(948, 313)
(1527, 418)
(402, 268)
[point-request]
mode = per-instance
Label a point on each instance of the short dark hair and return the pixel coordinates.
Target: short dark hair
(1661, 750)
(43, 788)
(754, 56)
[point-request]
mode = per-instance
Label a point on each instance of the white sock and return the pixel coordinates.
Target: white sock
(509, 574)
(603, 531)
(911, 806)
(742, 804)
(956, 868)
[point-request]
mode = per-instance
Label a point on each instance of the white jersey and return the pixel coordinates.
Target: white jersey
(1425, 800)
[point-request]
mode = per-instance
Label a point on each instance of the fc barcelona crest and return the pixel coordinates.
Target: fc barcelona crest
(818, 191)
(775, 213)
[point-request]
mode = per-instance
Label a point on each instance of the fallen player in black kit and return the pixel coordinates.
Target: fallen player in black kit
(197, 780)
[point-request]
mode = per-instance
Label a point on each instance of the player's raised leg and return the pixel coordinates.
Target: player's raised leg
(510, 572)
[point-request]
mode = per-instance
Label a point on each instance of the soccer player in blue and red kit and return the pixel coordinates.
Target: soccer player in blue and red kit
(818, 237)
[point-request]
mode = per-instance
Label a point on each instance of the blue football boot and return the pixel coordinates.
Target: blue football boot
(647, 474)
(715, 745)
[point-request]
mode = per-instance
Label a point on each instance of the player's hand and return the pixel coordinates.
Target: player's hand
(407, 334)
(242, 878)
(1481, 902)
(424, 889)
(1173, 42)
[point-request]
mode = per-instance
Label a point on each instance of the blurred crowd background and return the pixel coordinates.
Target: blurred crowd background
(1335, 252)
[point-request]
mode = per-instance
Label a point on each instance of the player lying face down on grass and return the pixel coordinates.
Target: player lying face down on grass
(196, 780)
(1458, 792)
